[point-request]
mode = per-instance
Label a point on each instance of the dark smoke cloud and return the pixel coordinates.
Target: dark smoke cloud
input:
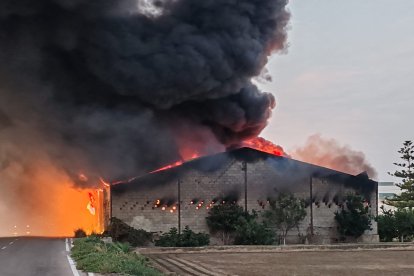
(100, 86)
(5, 121)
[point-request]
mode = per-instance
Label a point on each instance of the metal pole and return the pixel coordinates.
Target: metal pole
(179, 206)
(311, 205)
(376, 201)
(99, 212)
(245, 186)
(110, 203)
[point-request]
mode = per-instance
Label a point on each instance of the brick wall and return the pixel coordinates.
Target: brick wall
(135, 203)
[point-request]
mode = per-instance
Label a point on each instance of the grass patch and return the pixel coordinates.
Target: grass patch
(93, 255)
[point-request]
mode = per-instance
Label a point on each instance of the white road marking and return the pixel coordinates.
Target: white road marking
(11, 243)
(91, 274)
(72, 266)
(4, 247)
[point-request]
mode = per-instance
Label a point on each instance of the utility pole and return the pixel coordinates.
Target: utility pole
(179, 206)
(311, 204)
(244, 168)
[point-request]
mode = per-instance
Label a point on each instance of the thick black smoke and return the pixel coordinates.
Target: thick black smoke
(112, 88)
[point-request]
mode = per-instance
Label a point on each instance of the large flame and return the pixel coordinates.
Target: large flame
(257, 143)
(264, 145)
(46, 203)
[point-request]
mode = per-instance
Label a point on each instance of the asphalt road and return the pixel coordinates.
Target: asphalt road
(33, 256)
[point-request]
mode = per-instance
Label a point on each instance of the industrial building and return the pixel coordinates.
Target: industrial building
(183, 195)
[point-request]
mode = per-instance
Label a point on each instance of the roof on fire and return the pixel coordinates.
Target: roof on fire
(217, 161)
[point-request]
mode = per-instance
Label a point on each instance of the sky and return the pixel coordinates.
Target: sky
(347, 74)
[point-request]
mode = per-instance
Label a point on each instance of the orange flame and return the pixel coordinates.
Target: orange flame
(50, 203)
(91, 204)
(103, 182)
(187, 154)
(264, 145)
(257, 143)
(176, 164)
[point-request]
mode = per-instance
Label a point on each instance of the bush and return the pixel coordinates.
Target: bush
(223, 220)
(250, 232)
(353, 218)
(404, 224)
(387, 228)
(187, 239)
(170, 239)
(190, 239)
(122, 232)
(93, 255)
(285, 213)
(79, 233)
(398, 224)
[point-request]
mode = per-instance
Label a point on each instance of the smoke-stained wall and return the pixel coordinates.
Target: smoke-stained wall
(212, 180)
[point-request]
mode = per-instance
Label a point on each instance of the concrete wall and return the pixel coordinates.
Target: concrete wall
(135, 204)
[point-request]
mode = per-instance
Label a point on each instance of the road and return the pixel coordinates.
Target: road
(33, 257)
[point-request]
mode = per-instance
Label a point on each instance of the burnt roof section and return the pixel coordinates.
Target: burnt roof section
(215, 162)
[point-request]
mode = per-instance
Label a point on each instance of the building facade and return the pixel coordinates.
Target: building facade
(183, 195)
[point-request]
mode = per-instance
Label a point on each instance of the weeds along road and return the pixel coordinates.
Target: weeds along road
(24, 256)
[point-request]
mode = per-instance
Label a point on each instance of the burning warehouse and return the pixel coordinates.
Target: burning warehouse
(182, 195)
(101, 90)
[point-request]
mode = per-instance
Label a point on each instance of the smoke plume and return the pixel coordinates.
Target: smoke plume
(113, 89)
(329, 153)
(103, 86)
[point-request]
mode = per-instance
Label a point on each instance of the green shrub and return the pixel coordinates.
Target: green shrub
(387, 228)
(122, 232)
(93, 255)
(79, 233)
(404, 224)
(223, 220)
(169, 239)
(231, 223)
(353, 218)
(190, 239)
(285, 213)
(187, 239)
(250, 232)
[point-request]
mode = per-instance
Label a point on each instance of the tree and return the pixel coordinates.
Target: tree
(404, 224)
(223, 219)
(406, 174)
(396, 224)
(250, 232)
(353, 218)
(387, 228)
(285, 213)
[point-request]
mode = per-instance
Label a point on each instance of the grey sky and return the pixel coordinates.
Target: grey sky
(348, 75)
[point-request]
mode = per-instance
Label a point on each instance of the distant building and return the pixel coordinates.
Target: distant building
(386, 190)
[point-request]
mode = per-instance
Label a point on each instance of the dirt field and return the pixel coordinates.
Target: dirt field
(309, 263)
(321, 262)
